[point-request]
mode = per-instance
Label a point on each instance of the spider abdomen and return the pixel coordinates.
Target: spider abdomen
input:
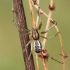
(37, 46)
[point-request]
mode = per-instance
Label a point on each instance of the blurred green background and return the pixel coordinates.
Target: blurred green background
(10, 48)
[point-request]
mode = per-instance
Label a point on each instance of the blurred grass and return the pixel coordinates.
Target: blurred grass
(10, 48)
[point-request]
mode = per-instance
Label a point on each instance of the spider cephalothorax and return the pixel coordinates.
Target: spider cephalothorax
(35, 34)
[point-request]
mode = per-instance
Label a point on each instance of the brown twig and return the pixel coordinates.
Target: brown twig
(24, 38)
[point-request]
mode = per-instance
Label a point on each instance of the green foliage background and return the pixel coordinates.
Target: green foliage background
(10, 48)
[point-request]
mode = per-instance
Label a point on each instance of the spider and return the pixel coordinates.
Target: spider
(36, 34)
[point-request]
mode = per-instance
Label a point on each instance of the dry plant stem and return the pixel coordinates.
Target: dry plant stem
(37, 20)
(37, 62)
(24, 38)
(48, 23)
(63, 60)
(36, 6)
(51, 3)
(47, 26)
(45, 35)
(44, 64)
(34, 26)
(32, 14)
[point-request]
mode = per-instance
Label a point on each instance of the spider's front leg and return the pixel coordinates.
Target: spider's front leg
(43, 32)
(51, 36)
(39, 14)
(39, 27)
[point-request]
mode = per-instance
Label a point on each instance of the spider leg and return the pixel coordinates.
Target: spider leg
(39, 13)
(56, 60)
(39, 27)
(44, 37)
(30, 53)
(54, 35)
(26, 29)
(29, 56)
(53, 58)
(26, 46)
(48, 29)
(50, 37)
(13, 15)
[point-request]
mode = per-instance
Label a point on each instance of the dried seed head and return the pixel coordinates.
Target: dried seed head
(34, 1)
(51, 7)
(43, 54)
(54, 22)
(64, 55)
(39, 12)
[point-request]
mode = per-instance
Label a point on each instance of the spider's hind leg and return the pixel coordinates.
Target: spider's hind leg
(53, 58)
(26, 49)
(26, 46)
(30, 53)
